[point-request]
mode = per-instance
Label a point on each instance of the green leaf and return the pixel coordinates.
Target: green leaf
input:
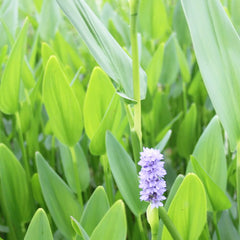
(16, 201)
(218, 60)
(218, 199)
(79, 229)
(39, 227)
(103, 114)
(61, 104)
(188, 209)
(113, 225)
(187, 132)
(10, 82)
(153, 18)
(61, 201)
(83, 170)
(209, 152)
(162, 144)
(104, 48)
(96, 208)
(154, 69)
(125, 174)
(46, 53)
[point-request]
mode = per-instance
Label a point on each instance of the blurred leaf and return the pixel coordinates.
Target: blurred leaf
(39, 227)
(187, 132)
(209, 152)
(153, 18)
(161, 145)
(49, 19)
(226, 227)
(46, 53)
(103, 114)
(125, 174)
(36, 189)
(218, 199)
(27, 75)
(95, 209)
(154, 69)
(9, 18)
(68, 167)
(61, 201)
(10, 82)
(109, 55)
(16, 201)
(218, 59)
(113, 225)
(170, 66)
(180, 26)
(61, 104)
(188, 209)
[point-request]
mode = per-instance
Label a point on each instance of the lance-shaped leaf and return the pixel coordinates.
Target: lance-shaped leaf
(217, 48)
(104, 48)
(61, 201)
(188, 209)
(125, 174)
(10, 82)
(39, 227)
(15, 198)
(61, 104)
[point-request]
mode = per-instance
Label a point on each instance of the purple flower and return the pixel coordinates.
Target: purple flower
(151, 177)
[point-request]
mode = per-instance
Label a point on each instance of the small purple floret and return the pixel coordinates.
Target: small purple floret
(151, 177)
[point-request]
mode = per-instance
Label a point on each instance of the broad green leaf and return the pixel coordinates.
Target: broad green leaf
(104, 48)
(61, 104)
(10, 82)
(170, 197)
(49, 19)
(234, 9)
(218, 199)
(113, 225)
(103, 114)
(83, 170)
(27, 75)
(187, 132)
(16, 201)
(60, 200)
(95, 209)
(216, 46)
(188, 209)
(209, 152)
(39, 227)
(153, 18)
(36, 189)
(125, 174)
(46, 53)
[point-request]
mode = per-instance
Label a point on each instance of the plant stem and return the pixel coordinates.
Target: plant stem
(53, 152)
(140, 226)
(169, 224)
(76, 176)
(238, 183)
(21, 142)
(215, 225)
(135, 65)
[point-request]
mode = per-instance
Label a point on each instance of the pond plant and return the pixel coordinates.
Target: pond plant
(119, 119)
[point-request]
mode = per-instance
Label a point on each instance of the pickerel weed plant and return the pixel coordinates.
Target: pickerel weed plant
(119, 120)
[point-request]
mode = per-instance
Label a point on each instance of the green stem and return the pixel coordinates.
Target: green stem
(140, 226)
(53, 152)
(76, 176)
(107, 178)
(21, 142)
(153, 220)
(169, 224)
(238, 183)
(135, 64)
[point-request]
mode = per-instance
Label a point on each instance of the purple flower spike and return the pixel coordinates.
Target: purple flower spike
(151, 177)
